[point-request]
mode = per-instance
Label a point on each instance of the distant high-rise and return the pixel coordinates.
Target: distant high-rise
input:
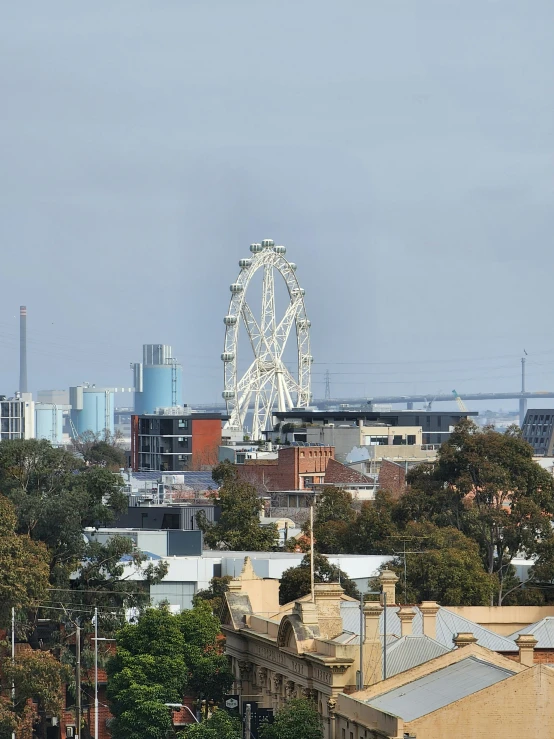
(158, 379)
(22, 349)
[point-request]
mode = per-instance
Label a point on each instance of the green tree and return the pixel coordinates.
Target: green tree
(208, 673)
(101, 449)
(295, 582)
(147, 671)
(37, 676)
(220, 725)
(488, 486)
(449, 569)
(215, 594)
(238, 528)
(373, 529)
(158, 660)
(297, 719)
(224, 472)
(333, 517)
(55, 496)
(23, 566)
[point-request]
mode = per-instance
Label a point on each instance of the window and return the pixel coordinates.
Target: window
(411, 439)
(439, 422)
(183, 424)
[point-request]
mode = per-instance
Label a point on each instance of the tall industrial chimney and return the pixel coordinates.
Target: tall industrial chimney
(23, 349)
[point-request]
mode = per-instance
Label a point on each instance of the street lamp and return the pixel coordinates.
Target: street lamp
(180, 705)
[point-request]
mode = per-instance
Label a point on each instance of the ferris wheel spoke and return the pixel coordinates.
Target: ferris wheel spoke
(268, 306)
(283, 330)
(254, 332)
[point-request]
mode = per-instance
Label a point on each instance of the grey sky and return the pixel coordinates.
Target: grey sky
(402, 150)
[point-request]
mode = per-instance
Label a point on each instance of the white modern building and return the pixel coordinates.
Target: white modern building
(17, 417)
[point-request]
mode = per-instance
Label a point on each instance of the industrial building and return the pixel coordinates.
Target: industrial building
(17, 417)
(538, 430)
(92, 409)
(158, 379)
(49, 422)
(175, 439)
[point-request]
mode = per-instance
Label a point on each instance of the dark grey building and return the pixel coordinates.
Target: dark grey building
(538, 430)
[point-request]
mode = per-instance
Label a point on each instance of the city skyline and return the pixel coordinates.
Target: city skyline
(401, 155)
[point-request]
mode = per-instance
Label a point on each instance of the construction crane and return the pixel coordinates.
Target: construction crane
(460, 402)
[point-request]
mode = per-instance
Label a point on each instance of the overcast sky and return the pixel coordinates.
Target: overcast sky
(402, 150)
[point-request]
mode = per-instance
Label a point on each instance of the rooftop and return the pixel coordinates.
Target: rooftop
(440, 688)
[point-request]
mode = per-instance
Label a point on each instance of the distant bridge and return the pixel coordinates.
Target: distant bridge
(409, 400)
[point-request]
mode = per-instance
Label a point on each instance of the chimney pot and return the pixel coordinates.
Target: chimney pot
(463, 639)
(526, 644)
(388, 580)
(429, 610)
(406, 616)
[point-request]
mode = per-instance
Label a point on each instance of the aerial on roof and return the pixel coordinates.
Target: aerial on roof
(439, 688)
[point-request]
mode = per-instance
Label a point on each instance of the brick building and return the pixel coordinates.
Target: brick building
(171, 442)
(296, 468)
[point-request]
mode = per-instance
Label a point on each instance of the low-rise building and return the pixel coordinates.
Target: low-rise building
(470, 691)
(312, 647)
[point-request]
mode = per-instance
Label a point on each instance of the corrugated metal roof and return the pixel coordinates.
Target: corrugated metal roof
(439, 689)
(410, 651)
(448, 625)
(542, 630)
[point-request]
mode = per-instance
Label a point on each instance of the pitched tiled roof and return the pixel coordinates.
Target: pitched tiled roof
(337, 473)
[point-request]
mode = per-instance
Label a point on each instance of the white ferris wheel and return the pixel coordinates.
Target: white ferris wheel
(267, 384)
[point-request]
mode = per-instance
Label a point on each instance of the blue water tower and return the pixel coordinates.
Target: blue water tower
(158, 379)
(92, 409)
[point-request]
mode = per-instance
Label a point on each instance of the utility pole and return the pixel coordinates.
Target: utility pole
(312, 578)
(522, 400)
(360, 676)
(247, 721)
(78, 679)
(13, 661)
(95, 673)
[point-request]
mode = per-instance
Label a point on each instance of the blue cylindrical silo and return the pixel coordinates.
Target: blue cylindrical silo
(49, 422)
(92, 409)
(158, 380)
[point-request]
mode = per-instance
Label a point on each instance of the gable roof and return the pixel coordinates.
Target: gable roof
(542, 630)
(439, 688)
(337, 474)
(412, 650)
(447, 626)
